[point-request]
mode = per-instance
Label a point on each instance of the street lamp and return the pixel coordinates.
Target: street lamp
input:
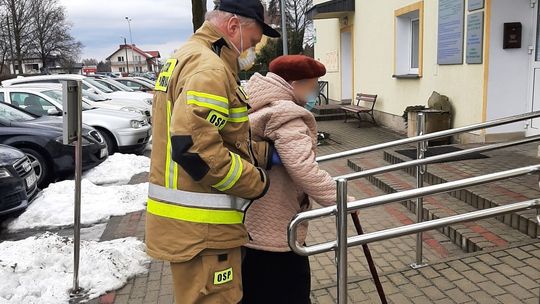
(130, 38)
(127, 61)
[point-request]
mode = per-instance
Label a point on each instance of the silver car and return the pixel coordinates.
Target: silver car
(123, 131)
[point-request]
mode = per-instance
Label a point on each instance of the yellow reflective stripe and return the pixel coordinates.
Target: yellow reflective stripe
(214, 102)
(209, 96)
(238, 114)
(239, 110)
(209, 105)
(235, 171)
(169, 148)
(195, 215)
(171, 167)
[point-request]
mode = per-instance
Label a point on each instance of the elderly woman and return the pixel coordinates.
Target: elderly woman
(280, 112)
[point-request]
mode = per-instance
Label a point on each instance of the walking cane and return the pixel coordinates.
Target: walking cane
(369, 259)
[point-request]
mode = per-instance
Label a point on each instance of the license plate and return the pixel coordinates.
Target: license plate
(103, 153)
(31, 180)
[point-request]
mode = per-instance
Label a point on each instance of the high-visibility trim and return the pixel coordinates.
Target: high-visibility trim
(171, 167)
(238, 114)
(214, 102)
(235, 171)
(162, 82)
(196, 199)
(195, 215)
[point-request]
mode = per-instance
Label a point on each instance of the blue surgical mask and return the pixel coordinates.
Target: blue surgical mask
(311, 101)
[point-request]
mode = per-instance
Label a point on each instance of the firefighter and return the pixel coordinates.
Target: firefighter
(205, 170)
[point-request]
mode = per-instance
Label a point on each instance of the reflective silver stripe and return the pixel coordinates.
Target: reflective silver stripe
(197, 200)
(233, 175)
(205, 100)
(238, 115)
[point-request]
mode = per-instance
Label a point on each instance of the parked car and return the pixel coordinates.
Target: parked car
(149, 81)
(114, 85)
(94, 100)
(18, 180)
(116, 74)
(122, 131)
(136, 84)
(88, 83)
(40, 138)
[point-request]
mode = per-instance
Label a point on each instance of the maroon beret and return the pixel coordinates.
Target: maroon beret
(297, 67)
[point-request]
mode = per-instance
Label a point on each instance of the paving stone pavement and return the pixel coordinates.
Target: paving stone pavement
(509, 275)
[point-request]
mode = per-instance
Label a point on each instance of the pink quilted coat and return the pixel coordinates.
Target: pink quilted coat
(275, 115)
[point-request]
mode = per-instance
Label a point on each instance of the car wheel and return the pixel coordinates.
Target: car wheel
(41, 167)
(109, 140)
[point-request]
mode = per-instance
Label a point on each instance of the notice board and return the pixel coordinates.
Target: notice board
(450, 32)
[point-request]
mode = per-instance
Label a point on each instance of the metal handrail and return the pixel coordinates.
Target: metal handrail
(390, 198)
(431, 136)
(341, 243)
(435, 159)
(438, 223)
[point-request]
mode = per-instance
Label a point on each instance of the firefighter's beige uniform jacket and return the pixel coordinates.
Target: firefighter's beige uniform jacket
(205, 169)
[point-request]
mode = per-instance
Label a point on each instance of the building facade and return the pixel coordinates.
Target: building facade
(129, 58)
(482, 54)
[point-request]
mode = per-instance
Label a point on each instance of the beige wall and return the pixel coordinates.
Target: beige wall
(374, 66)
(373, 35)
(328, 43)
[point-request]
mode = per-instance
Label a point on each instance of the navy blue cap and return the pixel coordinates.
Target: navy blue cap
(252, 9)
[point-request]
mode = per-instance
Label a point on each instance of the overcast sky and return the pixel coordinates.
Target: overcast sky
(162, 25)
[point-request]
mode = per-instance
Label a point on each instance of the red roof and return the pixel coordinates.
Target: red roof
(146, 54)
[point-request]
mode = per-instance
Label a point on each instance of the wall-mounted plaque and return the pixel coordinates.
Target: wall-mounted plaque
(450, 32)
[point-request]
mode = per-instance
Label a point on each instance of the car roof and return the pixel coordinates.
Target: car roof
(19, 79)
(55, 86)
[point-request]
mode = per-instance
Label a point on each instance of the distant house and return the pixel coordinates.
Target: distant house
(35, 65)
(128, 58)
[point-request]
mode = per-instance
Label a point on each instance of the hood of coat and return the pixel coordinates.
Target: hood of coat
(273, 104)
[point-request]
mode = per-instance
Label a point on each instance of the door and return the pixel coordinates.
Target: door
(346, 66)
(534, 94)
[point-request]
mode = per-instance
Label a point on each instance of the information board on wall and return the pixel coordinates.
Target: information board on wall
(475, 5)
(450, 32)
(475, 38)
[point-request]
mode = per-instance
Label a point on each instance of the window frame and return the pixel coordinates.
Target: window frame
(404, 19)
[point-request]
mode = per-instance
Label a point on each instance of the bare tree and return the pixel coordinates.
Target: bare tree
(4, 42)
(90, 62)
(198, 10)
(19, 24)
(297, 22)
(51, 31)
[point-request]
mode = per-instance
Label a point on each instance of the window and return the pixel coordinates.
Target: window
(408, 41)
(1, 97)
(121, 58)
(32, 103)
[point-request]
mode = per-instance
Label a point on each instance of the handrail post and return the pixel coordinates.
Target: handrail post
(421, 148)
(341, 253)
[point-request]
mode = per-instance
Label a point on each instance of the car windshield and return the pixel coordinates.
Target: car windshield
(108, 85)
(11, 114)
(57, 95)
(98, 85)
(92, 96)
(120, 85)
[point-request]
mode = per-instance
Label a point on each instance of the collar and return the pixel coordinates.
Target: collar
(214, 39)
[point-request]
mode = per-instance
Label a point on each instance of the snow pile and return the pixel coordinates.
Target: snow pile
(118, 169)
(40, 269)
(54, 208)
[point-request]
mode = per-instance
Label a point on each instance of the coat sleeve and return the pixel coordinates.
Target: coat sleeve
(197, 145)
(294, 146)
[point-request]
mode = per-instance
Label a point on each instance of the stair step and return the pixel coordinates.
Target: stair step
(471, 237)
(484, 196)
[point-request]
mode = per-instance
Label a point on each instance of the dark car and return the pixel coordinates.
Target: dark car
(40, 138)
(18, 181)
